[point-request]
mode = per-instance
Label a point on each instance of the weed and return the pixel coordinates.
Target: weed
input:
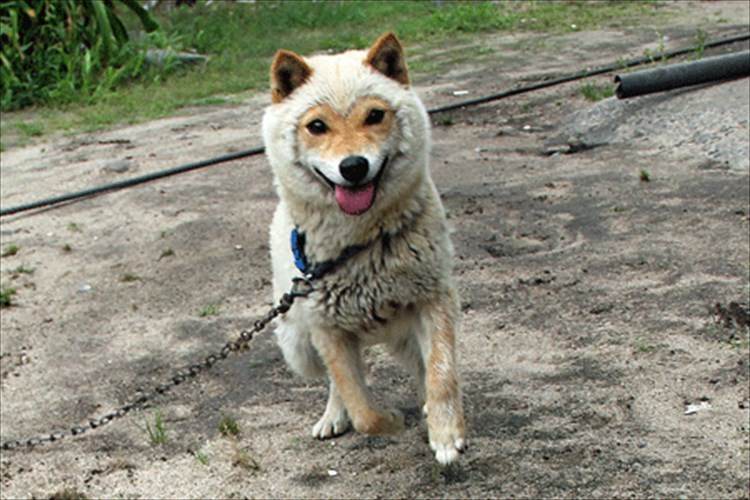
(445, 120)
(67, 248)
(297, 443)
(30, 129)
(244, 460)
(644, 176)
(21, 270)
(157, 434)
(658, 55)
(700, 43)
(74, 227)
(166, 253)
(6, 295)
(644, 347)
(209, 310)
(68, 494)
(201, 457)
(228, 426)
(594, 92)
(129, 278)
(10, 250)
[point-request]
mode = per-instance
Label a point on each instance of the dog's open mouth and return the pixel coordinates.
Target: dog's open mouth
(355, 200)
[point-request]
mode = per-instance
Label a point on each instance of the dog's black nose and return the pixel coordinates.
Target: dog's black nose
(354, 168)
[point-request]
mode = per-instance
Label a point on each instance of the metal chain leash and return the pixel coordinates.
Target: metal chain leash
(300, 288)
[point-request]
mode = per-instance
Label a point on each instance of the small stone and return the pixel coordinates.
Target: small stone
(117, 166)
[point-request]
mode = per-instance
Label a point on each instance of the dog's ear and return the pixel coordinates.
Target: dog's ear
(387, 56)
(288, 71)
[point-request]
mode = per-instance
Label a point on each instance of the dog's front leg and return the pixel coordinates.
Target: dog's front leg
(445, 415)
(341, 355)
(334, 421)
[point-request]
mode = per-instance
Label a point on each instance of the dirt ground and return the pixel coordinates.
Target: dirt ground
(590, 330)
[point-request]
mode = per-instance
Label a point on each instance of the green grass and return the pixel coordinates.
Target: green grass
(242, 459)
(228, 426)
(596, 92)
(157, 433)
(10, 250)
(6, 296)
(201, 457)
(644, 176)
(242, 38)
(209, 310)
(30, 129)
(22, 270)
(166, 253)
(129, 278)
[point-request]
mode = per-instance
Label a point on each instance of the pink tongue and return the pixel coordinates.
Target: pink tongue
(355, 201)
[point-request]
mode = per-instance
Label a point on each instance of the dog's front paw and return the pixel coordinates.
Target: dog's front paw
(447, 451)
(447, 435)
(331, 424)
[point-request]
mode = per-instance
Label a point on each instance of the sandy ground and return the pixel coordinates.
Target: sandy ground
(590, 298)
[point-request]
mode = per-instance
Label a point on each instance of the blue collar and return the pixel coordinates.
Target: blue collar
(317, 271)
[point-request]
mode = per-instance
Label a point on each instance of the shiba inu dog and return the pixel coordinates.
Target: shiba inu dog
(359, 217)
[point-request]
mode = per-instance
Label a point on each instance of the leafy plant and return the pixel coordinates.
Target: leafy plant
(55, 50)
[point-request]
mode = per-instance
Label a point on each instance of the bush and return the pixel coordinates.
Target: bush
(57, 51)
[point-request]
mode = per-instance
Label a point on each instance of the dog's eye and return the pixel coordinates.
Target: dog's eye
(376, 116)
(317, 127)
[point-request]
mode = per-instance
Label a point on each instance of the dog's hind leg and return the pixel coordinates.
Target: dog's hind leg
(335, 420)
(341, 354)
(445, 416)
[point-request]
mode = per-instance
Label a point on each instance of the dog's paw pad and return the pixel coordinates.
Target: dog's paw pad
(330, 426)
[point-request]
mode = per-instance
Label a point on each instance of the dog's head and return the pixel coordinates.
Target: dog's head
(346, 132)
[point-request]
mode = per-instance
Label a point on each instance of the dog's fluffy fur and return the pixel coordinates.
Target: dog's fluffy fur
(399, 290)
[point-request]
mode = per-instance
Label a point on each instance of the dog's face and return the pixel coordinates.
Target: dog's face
(346, 132)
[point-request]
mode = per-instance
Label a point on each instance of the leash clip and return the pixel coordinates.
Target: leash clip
(302, 287)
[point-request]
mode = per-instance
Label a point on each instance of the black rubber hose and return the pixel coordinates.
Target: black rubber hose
(587, 73)
(132, 182)
(442, 109)
(711, 69)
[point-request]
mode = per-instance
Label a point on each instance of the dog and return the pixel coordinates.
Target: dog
(360, 221)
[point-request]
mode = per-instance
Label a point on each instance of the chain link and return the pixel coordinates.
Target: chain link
(300, 288)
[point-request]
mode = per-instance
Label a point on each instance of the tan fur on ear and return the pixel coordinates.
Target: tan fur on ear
(387, 57)
(288, 71)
